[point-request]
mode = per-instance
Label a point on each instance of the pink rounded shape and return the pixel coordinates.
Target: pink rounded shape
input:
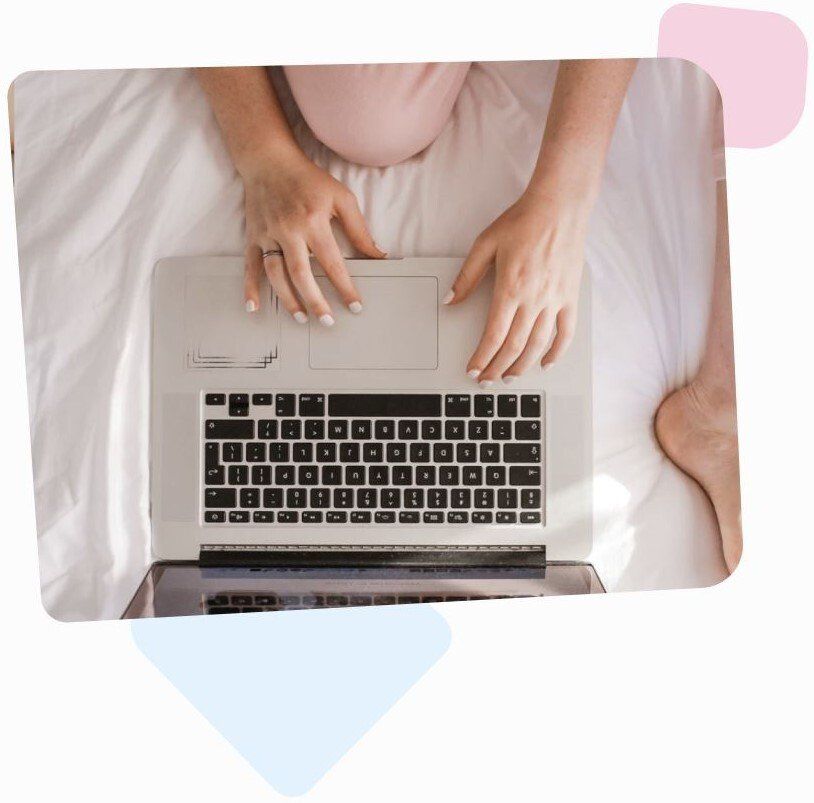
(757, 59)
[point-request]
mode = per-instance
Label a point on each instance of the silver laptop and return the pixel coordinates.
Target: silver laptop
(302, 466)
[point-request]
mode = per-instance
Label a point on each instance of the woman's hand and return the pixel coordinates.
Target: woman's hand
(537, 249)
(290, 203)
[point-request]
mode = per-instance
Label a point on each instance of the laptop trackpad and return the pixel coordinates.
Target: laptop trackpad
(397, 329)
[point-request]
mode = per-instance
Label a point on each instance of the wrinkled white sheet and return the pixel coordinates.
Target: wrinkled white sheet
(115, 170)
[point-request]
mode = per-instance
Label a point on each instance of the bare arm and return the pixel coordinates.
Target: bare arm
(290, 202)
(537, 245)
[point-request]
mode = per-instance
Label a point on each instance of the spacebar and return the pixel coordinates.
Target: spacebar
(384, 404)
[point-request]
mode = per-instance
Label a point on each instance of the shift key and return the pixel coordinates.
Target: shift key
(231, 429)
(220, 497)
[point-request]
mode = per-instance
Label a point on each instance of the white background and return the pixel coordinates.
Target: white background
(665, 695)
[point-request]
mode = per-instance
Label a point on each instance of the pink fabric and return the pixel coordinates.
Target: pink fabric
(376, 114)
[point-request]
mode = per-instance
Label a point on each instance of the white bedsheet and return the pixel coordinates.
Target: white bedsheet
(115, 170)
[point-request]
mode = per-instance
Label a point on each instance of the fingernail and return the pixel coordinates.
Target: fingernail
(546, 365)
(486, 383)
(326, 320)
(251, 306)
(355, 307)
(474, 373)
(507, 380)
(447, 299)
(300, 317)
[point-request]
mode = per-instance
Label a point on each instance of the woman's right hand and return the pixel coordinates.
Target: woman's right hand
(290, 203)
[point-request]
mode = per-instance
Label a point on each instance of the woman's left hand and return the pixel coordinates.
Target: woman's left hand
(537, 249)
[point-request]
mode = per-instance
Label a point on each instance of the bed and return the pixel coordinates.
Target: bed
(116, 169)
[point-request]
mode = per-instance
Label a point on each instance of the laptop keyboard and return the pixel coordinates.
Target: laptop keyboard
(372, 459)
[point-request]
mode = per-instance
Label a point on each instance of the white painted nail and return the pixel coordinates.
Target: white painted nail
(474, 373)
(507, 380)
(326, 320)
(447, 299)
(355, 307)
(251, 306)
(486, 383)
(300, 317)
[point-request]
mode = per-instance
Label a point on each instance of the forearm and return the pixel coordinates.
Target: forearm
(588, 95)
(248, 113)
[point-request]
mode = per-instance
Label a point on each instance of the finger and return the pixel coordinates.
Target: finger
(566, 325)
(538, 341)
(298, 266)
(516, 340)
(352, 220)
(252, 274)
(327, 252)
(478, 261)
(281, 284)
(501, 315)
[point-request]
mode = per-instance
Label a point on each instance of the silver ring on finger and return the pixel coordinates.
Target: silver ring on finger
(272, 252)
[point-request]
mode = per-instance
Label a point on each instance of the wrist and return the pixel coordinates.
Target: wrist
(276, 153)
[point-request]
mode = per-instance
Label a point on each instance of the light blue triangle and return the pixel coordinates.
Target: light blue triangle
(294, 691)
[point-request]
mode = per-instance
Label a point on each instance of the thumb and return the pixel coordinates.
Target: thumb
(356, 228)
(475, 265)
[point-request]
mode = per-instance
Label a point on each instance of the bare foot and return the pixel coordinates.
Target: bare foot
(696, 426)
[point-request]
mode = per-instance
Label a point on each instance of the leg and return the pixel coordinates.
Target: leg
(696, 425)
(376, 114)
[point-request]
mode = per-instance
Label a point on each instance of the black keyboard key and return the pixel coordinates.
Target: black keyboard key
(385, 430)
(442, 452)
(530, 406)
(314, 429)
(354, 475)
(338, 430)
(449, 475)
(336, 517)
(409, 517)
(381, 405)
(238, 475)
(466, 452)
(457, 517)
(285, 404)
(402, 475)
(408, 430)
(349, 452)
(419, 452)
(478, 430)
(527, 430)
(385, 517)
(308, 475)
(506, 406)
(454, 430)
(273, 497)
(505, 517)
(261, 399)
(267, 429)
(482, 517)
(326, 452)
(320, 497)
(484, 498)
(263, 517)
(425, 475)
(472, 475)
(223, 429)
(239, 399)
(214, 516)
(284, 475)
(343, 497)
(501, 430)
(436, 498)
(278, 452)
(232, 452)
(361, 430)
(238, 517)
(215, 476)
(390, 497)
(366, 497)
(249, 497)
(396, 452)
(288, 517)
(261, 475)
(212, 455)
(361, 517)
(378, 475)
(531, 498)
(312, 404)
(431, 430)
(291, 429)
(524, 475)
(414, 498)
(529, 517)
(507, 498)
(521, 452)
(215, 399)
(496, 475)
(295, 498)
(433, 517)
(256, 452)
(461, 497)
(457, 406)
(303, 452)
(490, 453)
(373, 452)
(332, 475)
(484, 405)
(311, 517)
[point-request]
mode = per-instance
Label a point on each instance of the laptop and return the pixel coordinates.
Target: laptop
(299, 466)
